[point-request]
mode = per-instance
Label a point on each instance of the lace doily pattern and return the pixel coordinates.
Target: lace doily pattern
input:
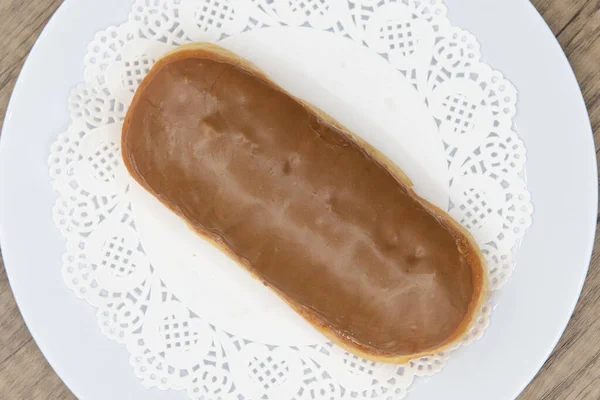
(172, 348)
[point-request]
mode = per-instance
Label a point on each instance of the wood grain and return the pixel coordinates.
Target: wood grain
(571, 371)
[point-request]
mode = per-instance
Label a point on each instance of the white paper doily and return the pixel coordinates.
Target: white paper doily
(189, 318)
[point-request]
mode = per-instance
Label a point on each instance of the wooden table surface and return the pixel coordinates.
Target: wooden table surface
(570, 373)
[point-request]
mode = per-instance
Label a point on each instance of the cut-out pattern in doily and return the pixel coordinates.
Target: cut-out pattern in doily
(172, 348)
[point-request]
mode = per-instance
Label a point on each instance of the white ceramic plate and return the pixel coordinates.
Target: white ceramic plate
(536, 303)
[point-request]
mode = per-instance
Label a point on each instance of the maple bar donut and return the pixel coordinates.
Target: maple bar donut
(317, 214)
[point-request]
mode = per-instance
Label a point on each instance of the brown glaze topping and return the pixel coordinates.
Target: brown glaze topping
(299, 203)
